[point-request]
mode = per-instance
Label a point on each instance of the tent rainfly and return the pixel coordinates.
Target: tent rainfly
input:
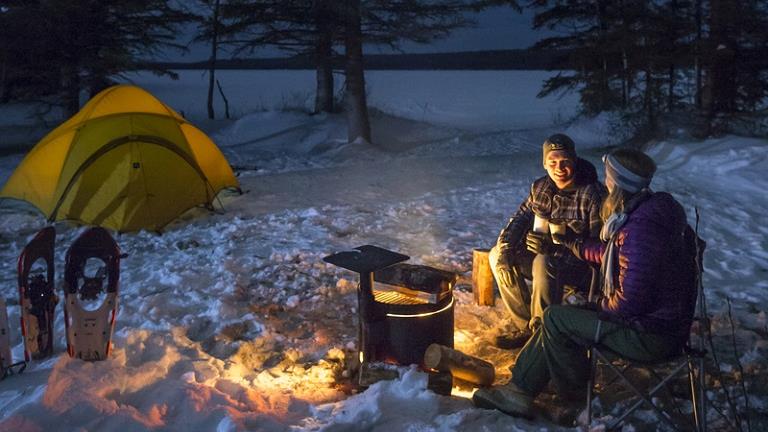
(126, 161)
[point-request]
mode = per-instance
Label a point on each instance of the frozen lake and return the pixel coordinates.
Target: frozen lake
(470, 99)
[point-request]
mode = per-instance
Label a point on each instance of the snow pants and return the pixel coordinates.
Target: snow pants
(558, 349)
(548, 276)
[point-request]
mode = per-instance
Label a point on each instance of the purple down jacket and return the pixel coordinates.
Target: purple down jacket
(657, 286)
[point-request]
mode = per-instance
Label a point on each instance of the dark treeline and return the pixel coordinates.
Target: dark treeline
(56, 50)
(702, 62)
(521, 59)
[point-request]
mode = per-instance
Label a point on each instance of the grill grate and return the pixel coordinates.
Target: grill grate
(394, 297)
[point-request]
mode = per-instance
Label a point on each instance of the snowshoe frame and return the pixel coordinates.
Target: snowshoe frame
(37, 295)
(89, 333)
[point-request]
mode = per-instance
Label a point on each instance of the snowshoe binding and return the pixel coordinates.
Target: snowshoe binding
(90, 294)
(37, 296)
(6, 358)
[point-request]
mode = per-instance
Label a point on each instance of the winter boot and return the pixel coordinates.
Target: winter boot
(509, 399)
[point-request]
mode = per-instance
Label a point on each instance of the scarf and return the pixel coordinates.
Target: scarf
(609, 269)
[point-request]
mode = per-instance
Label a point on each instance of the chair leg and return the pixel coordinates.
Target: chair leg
(698, 389)
(643, 398)
(703, 394)
(590, 384)
(671, 395)
(694, 394)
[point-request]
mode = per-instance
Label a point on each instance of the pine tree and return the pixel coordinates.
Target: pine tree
(80, 45)
(587, 28)
(735, 81)
(25, 71)
(638, 57)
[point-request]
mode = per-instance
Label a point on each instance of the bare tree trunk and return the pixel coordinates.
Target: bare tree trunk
(697, 56)
(226, 101)
(671, 71)
(671, 94)
(358, 126)
(4, 91)
(721, 74)
(624, 79)
(624, 57)
(212, 60)
(324, 73)
(604, 78)
(324, 14)
(71, 89)
(649, 102)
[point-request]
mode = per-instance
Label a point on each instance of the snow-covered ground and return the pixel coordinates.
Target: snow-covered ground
(233, 322)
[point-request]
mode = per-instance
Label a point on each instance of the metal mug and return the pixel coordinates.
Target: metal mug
(556, 229)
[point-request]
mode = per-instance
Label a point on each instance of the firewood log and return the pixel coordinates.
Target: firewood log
(460, 365)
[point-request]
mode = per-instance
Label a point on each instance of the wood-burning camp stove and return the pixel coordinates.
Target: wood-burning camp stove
(402, 308)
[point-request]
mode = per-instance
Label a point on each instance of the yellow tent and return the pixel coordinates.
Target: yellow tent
(126, 161)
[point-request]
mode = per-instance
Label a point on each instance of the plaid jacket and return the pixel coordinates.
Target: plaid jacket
(577, 207)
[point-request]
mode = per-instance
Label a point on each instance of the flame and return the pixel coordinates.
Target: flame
(459, 337)
(425, 313)
(463, 392)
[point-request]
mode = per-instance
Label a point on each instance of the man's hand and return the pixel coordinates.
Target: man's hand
(540, 243)
(499, 257)
(505, 276)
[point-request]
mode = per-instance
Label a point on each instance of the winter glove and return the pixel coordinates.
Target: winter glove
(540, 244)
(571, 242)
(499, 257)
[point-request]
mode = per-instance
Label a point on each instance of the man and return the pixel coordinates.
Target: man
(569, 195)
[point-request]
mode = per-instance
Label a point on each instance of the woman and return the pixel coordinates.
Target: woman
(648, 291)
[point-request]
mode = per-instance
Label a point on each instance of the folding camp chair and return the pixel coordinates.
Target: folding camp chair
(664, 372)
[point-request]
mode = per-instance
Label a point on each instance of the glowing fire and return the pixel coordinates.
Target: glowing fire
(422, 314)
(460, 337)
(463, 392)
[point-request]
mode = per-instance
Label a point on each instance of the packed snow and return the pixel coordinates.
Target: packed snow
(232, 321)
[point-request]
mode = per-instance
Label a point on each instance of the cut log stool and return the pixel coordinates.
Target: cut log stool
(482, 278)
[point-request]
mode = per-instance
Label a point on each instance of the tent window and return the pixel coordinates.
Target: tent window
(136, 165)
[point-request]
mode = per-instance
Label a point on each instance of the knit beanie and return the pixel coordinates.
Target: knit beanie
(558, 142)
(629, 169)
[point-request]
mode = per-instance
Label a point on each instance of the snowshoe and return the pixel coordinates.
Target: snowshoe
(6, 358)
(37, 296)
(90, 294)
(5, 337)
